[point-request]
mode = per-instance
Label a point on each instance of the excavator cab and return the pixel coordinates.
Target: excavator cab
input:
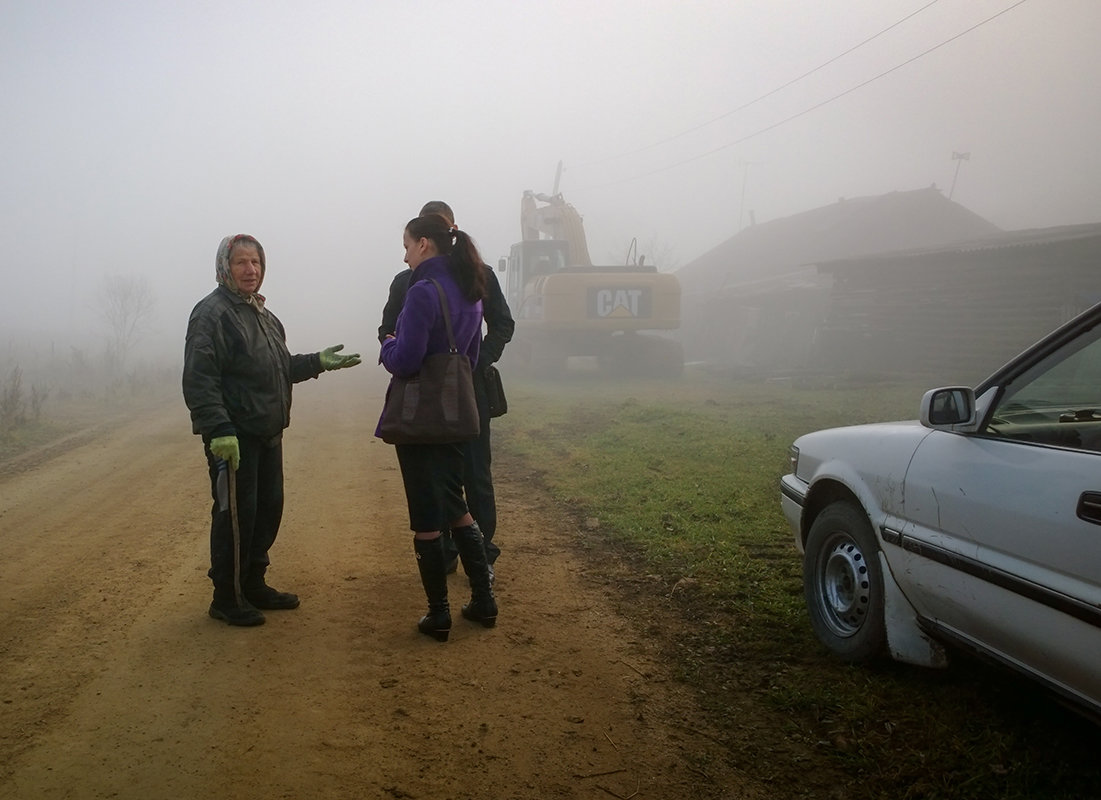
(527, 262)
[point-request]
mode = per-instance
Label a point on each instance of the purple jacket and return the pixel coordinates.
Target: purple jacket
(420, 327)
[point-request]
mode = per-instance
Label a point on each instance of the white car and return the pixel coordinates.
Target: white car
(977, 525)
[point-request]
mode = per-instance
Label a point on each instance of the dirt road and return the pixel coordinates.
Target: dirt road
(114, 683)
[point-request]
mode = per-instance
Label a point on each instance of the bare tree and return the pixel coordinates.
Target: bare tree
(12, 402)
(127, 302)
(660, 254)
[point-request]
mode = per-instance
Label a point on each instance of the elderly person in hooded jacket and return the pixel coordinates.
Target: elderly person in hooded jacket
(237, 382)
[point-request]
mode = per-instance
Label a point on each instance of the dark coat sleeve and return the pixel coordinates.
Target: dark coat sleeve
(394, 302)
(499, 323)
(305, 366)
(204, 355)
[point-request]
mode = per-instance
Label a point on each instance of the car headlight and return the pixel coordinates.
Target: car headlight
(793, 458)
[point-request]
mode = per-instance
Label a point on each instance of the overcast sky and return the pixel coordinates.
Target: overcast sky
(135, 135)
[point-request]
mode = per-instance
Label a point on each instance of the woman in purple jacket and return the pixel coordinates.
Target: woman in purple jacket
(433, 473)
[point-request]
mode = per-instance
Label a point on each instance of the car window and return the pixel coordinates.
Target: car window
(1058, 401)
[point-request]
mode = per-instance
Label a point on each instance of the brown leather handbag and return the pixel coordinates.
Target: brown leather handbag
(437, 405)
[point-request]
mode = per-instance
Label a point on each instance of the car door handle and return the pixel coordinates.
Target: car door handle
(1089, 507)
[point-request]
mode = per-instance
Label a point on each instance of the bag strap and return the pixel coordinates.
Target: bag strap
(446, 316)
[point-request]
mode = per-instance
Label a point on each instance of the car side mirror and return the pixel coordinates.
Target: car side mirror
(946, 407)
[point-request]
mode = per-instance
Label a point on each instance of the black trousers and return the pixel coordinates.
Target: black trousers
(478, 480)
(259, 512)
(478, 477)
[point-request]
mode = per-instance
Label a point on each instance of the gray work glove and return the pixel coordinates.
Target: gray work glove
(330, 359)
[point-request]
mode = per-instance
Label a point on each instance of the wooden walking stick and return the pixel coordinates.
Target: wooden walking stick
(236, 536)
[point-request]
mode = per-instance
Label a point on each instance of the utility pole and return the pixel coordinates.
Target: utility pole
(959, 158)
(745, 176)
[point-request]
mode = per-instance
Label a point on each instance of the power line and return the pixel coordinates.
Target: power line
(764, 96)
(817, 106)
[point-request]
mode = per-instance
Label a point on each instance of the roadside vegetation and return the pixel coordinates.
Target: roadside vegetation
(48, 390)
(22, 409)
(674, 491)
(57, 395)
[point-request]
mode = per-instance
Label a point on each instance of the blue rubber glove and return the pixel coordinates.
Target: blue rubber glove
(227, 449)
(330, 359)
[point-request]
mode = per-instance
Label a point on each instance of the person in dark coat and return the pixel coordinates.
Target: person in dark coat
(478, 457)
(237, 381)
(433, 474)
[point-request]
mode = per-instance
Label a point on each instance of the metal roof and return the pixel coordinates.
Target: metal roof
(1031, 237)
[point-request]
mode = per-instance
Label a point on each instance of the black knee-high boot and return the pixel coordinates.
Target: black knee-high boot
(482, 606)
(431, 563)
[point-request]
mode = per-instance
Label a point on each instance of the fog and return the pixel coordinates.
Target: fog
(134, 136)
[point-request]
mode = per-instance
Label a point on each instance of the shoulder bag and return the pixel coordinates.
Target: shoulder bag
(437, 405)
(495, 392)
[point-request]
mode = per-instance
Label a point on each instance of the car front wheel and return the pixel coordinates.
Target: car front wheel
(843, 583)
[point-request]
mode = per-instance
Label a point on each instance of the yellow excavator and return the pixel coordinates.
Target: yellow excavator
(564, 305)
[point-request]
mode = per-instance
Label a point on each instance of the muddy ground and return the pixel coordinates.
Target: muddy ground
(114, 683)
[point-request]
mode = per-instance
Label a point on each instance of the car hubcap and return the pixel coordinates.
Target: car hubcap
(845, 588)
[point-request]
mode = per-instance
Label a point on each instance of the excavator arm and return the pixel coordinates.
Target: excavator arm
(557, 219)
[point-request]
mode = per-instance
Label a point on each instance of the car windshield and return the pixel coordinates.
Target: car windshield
(1058, 401)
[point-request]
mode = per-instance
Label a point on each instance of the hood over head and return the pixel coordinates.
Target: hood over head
(222, 271)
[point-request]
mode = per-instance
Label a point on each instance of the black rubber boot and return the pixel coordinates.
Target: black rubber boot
(431, 563)
(482, 606)
(450, 552)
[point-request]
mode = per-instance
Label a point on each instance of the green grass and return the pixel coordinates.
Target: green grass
(683, 479)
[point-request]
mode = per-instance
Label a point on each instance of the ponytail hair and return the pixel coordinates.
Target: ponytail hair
(466, 263)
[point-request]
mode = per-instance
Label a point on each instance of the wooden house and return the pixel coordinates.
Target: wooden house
(960, 310)
(756, 300)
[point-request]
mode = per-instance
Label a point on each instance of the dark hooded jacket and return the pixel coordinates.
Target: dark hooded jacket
(238, 372)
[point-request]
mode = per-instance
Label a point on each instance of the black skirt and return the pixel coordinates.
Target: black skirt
(433, 478)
